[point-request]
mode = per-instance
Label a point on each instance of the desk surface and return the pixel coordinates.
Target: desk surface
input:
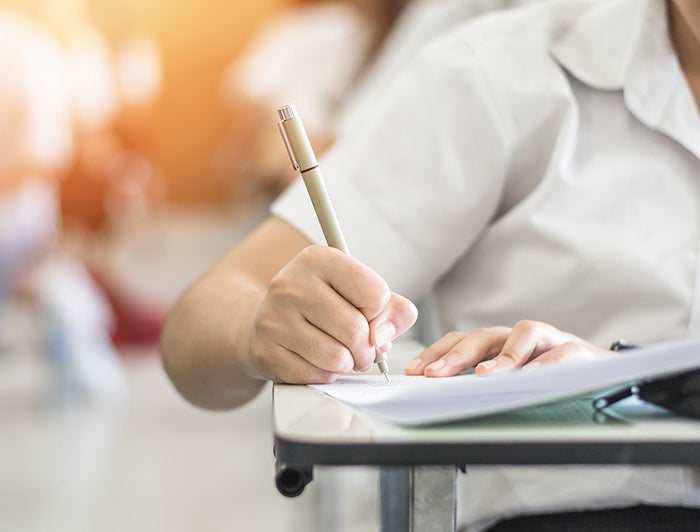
(313, 429)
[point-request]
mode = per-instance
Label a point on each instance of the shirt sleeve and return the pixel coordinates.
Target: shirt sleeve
(421, 176)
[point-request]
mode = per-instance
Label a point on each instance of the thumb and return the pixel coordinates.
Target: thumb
(396, 318)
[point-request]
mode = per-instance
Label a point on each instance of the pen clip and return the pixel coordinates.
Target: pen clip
(605, 401)
(295, 165)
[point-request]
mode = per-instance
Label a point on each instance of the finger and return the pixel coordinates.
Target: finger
(353, 280)
(433, 352)
(384, 348)
(397, 317)
(316, 347)
(342, 321)
(571, 350)
(528, 340)
(301, 289)
(279, 364)
(478, 345)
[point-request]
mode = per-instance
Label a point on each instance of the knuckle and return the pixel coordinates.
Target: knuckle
(452, 356)
(456, 335)
(571, 347)
(357, 331)
(363, 358)
(312, 252)
(269, 322)
(329, 354)
(526, 326)
(383, 294)
(283, 292)
(511, 356)
(480, 332)
(324, 377)
(276, 283)
(507, 355)
(313, 375)
(278, 286)
(376, 301)
(321, 254)
(406, 313)
(370, 285)
(317, 347)
(336, 359)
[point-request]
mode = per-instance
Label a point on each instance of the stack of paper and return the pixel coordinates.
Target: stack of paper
(420, 400)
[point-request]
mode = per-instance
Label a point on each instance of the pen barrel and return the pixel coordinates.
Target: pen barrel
(303, 159)
(299, 143)
(324, 209)
(380, 358)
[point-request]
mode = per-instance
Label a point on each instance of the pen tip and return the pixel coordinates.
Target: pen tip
(386, 376)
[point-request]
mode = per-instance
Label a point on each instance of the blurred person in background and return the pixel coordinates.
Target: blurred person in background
(311, 54)
(36, 143)
(36, 150)
(115, 76)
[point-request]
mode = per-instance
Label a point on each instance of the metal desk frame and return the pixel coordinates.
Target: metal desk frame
(418, 466)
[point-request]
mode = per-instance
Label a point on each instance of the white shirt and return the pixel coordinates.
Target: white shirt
(540, 163)
(419, 22)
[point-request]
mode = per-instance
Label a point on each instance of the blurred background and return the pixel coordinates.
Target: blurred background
(138, 144)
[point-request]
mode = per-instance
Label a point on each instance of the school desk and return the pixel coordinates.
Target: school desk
(419, 466)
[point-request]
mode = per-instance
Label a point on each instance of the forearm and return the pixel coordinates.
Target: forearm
(205, 344)
(277, 309)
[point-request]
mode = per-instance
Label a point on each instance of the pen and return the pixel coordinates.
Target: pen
(304, 161)
(615, 397)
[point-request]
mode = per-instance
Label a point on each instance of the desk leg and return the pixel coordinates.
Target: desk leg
(395, 496)
(420, 498)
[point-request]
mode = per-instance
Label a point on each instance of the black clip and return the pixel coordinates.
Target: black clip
(604, 401)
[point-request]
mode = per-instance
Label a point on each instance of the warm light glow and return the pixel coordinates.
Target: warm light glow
(145, 77)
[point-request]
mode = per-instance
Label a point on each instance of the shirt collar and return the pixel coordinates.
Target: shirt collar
(624, 45)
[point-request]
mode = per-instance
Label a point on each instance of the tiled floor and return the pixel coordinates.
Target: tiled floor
(153, 462)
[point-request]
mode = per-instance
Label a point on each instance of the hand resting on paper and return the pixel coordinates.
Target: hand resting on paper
(495, 349)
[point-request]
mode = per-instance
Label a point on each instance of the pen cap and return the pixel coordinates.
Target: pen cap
(299, 144)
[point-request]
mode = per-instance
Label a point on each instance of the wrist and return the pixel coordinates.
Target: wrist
(246, 338)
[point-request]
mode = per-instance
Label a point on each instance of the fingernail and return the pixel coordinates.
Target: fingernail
(413, 365)
(488, 364)
(385, 348)
(437, 365)
(384, 332)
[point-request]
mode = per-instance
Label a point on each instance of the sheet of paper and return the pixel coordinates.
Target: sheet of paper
(420, 400)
